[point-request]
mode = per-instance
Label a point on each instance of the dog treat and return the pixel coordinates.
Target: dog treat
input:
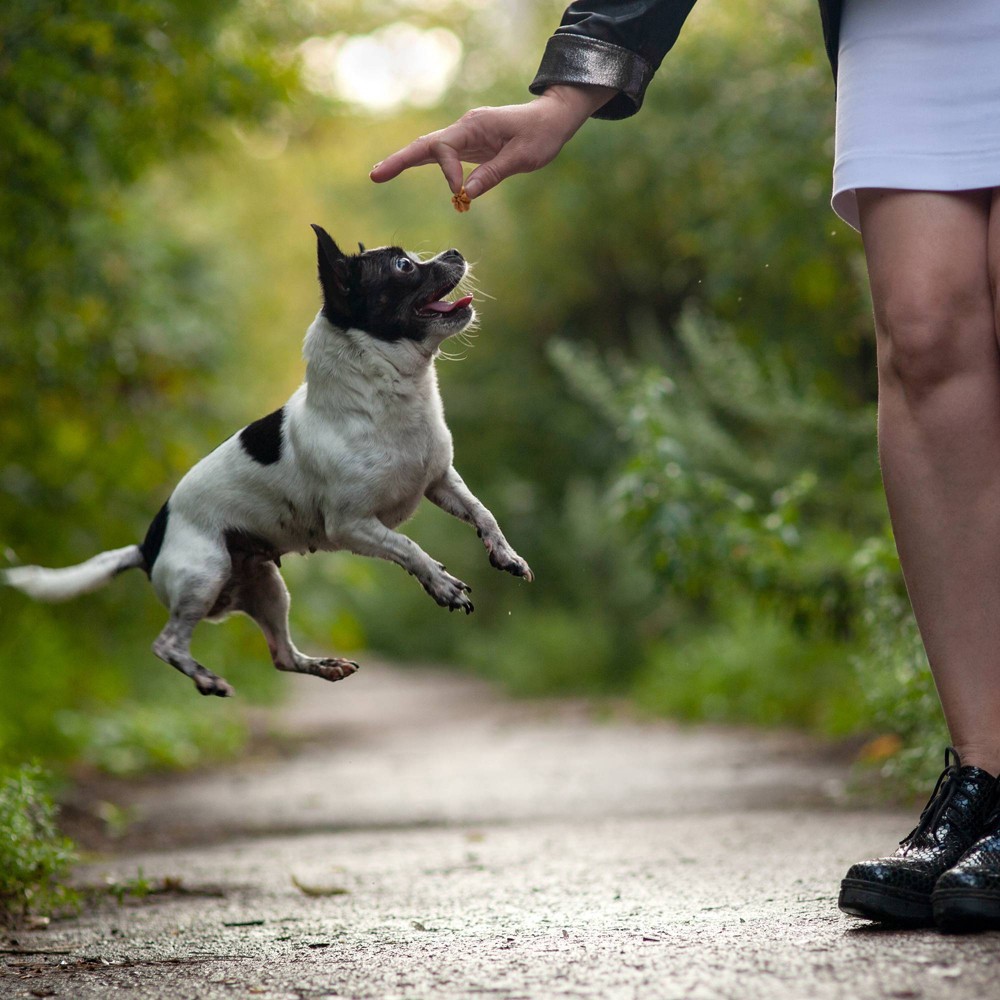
(461, 201)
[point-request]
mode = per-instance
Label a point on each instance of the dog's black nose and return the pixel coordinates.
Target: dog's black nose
(453, 254)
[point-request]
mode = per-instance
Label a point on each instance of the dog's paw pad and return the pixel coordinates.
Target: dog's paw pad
(214, 685)
(335, 669)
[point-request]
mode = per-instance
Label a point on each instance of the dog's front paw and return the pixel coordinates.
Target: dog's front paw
(504, 557)
(450, 592)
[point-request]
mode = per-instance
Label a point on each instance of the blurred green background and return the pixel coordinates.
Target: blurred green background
(670, 405)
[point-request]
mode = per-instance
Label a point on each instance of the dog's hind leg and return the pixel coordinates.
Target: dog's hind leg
(173, 646)
(264, 597)
(195, 599)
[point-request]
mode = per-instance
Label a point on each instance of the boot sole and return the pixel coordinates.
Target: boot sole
(886, 904)
(966, 909)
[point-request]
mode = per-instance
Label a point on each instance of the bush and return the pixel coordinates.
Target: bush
(736, 473)
(898, 694)
(758, 503)
(34, 858)
(113, 325)
(751, 668)
(135, 738)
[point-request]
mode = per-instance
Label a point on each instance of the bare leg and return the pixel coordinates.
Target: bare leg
(929, 258)
(264, 597)
(452, 495)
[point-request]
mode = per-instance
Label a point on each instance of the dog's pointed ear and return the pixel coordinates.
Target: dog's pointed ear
(334, 277)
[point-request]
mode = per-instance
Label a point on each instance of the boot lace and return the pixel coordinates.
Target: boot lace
(944, 791)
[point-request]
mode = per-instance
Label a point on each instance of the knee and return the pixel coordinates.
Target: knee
(928, 337)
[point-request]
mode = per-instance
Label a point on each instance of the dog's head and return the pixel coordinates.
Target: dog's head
(393, 295)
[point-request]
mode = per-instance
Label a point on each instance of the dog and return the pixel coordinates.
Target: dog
(339, 467)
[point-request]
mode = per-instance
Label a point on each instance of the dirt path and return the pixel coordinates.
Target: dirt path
(427, 838)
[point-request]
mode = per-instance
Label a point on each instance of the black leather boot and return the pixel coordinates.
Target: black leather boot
(897, 889)
(967, 896)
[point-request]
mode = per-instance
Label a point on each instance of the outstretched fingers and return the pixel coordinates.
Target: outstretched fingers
(504, 141)
(513, 139)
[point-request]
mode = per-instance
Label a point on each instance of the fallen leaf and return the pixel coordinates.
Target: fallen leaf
(880, 748)
(319, 890)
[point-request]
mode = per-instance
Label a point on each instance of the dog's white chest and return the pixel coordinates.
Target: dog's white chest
(373, 455)
(394, 458)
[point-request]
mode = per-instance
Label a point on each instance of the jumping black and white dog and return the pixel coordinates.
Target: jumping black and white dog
(340, 466)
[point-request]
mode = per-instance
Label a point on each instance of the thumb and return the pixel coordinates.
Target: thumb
(514, 158)
(487, 175)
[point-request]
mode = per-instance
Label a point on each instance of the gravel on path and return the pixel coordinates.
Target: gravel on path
(426, 837)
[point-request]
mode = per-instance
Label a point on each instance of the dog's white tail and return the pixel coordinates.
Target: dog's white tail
(62, 584)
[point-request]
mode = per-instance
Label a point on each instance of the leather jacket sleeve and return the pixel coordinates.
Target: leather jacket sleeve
(615, 43)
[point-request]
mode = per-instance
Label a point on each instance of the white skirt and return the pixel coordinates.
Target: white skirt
(918, 98)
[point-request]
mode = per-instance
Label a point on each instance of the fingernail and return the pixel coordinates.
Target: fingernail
(472, 188)
(375, 166)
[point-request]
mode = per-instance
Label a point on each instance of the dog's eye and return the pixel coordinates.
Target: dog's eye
(403, 264)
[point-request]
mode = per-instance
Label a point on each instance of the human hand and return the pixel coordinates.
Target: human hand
(513, 139)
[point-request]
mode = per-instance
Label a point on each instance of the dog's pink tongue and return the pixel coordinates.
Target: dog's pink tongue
(448, 307)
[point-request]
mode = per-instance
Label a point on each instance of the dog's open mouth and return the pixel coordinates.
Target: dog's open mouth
(438, 305)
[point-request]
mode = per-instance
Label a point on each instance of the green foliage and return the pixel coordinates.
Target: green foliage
(155, 295)
(33, 857)
(716, 195)
(748, 497)
(760, 508)
(92, 95)
(736, 473)
(728, 386)
(114, 327)
(136, 738)
(132, 888)
(898, 691)
(589, 628)
(750, 667)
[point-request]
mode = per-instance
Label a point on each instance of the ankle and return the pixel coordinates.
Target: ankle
(981, 755)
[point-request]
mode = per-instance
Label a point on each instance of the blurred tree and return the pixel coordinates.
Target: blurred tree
(107, 319)
(691, 247)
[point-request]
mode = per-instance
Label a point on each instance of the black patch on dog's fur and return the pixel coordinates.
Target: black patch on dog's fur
(243, 545)
(261, 440)
(153, 542)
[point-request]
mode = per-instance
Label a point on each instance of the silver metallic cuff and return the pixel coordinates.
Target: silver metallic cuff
(571, 58)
